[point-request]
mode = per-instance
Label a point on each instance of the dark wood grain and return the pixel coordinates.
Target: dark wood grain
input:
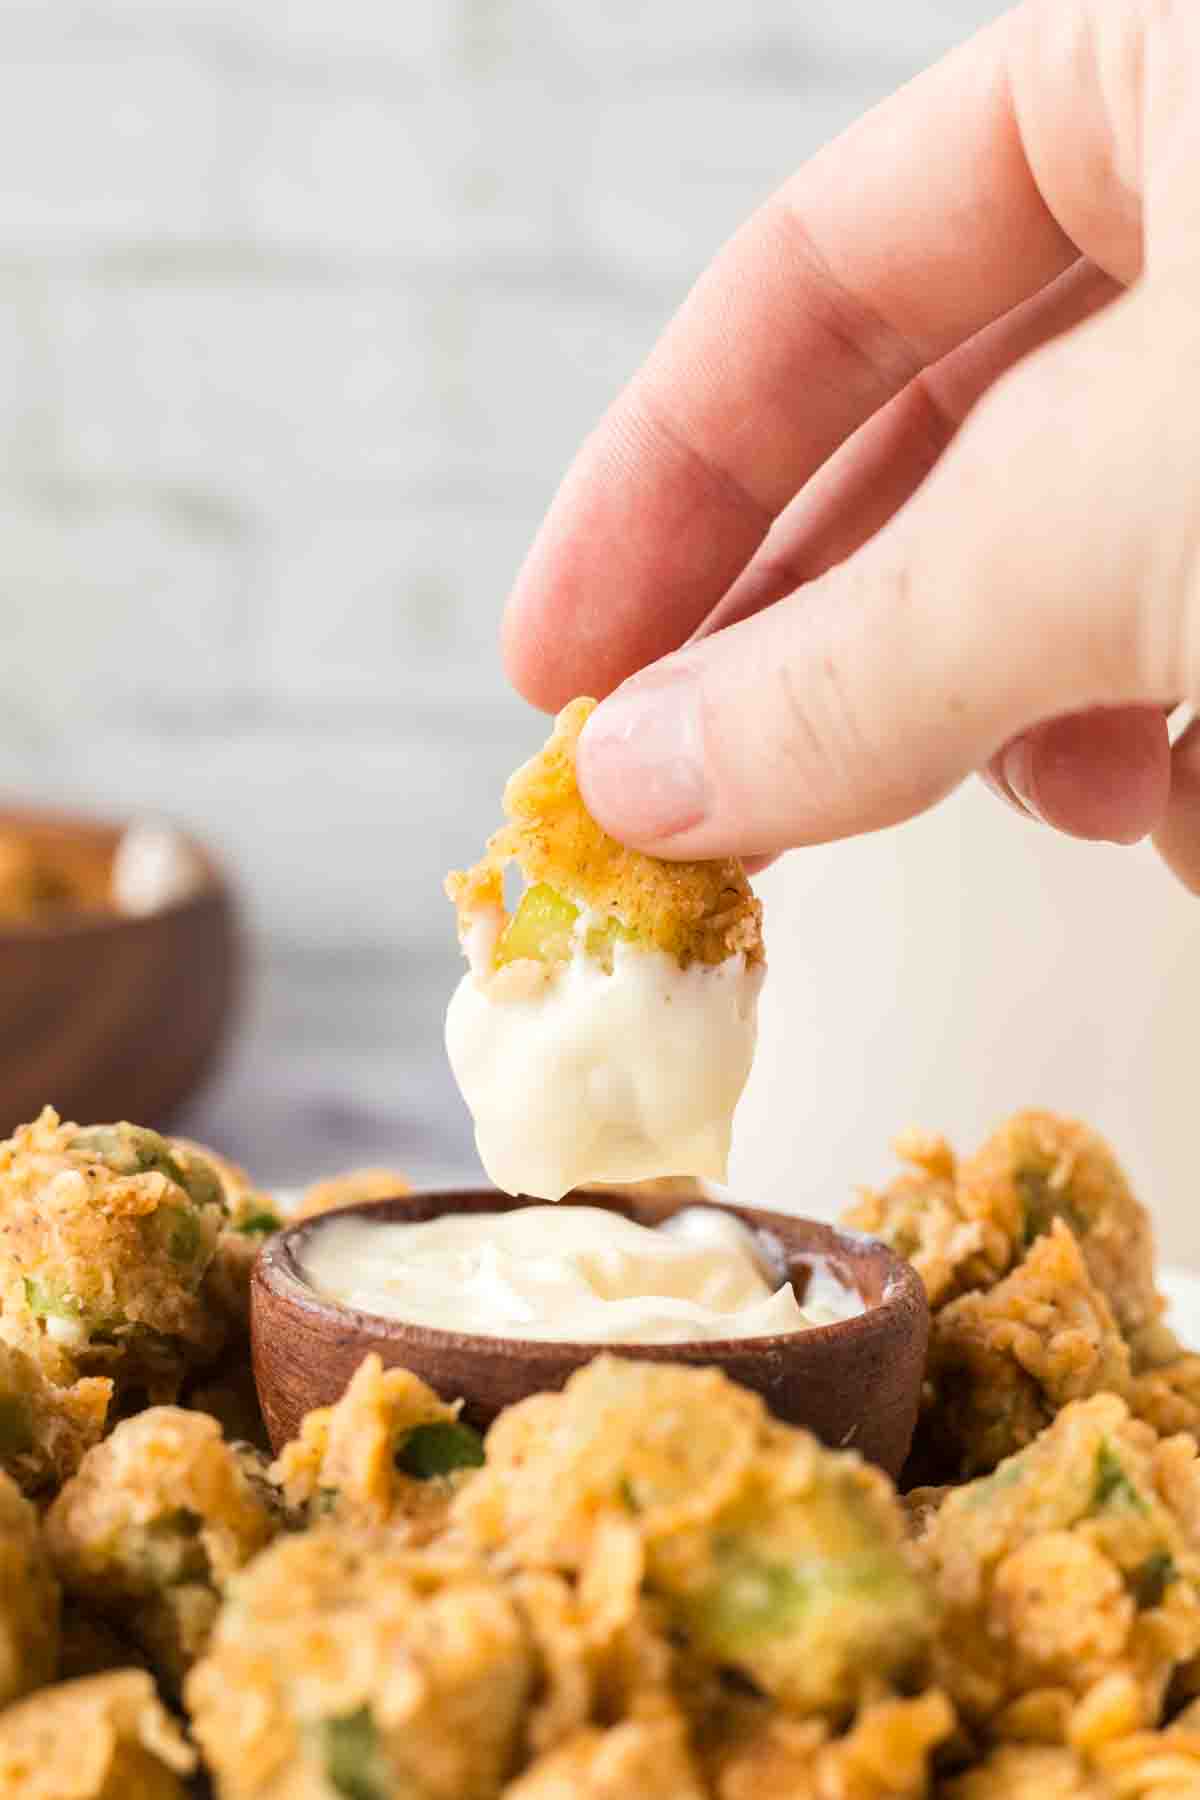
(109, 1017)
(854, 1383)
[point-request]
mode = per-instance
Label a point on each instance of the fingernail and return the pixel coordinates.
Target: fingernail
(641, 757)
(1016, 771)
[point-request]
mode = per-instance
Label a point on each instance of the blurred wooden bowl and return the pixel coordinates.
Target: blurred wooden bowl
(106, 1016)
(854, 1383)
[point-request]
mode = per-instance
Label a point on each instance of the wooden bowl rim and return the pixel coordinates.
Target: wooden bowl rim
(106, 833)
(896, 1312)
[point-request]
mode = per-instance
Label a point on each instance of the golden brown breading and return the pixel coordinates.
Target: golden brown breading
(344, 1663)
(1168, 1397)
(1039, 1167)
(45, 1430)
(106, 1234)
(1138, 1765)
(106, 1738)
(768, 1552)
(921, 1215)
(369, 1457)
(1002, 1363)
(1153, 1765)
(1071, 1567)
(636, 1757)
(349, 1188)
(695, 911)
(1027, 1772)
(251, 1217)
(153, 1526)
(885, 1755)
(30, 1604)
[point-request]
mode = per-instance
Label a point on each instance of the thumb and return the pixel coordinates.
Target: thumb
(1047, 566)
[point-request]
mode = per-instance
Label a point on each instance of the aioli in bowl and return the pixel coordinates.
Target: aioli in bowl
(570, 1273)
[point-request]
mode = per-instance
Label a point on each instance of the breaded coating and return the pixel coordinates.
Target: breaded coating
(251, 1216)
(1139, 1765)
(695, 911)
(105, 1738)
(1071, 1572)
(885, 1755)
(151, 1529)
(1038, 1167)
(920, 1214)
(349, 1188)
(30, 1603)
(1028, 1772)
(1004, 1362)
(105, 1238)
(346, 1664)
(1168, 1397)
(638, 1756)
(45, 1430)
(1153, 1765)
(592, 1667)
(770, 1554)
(389, 1452)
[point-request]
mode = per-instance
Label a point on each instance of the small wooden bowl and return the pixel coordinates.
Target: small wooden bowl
(855, 1383)
(104, 1015)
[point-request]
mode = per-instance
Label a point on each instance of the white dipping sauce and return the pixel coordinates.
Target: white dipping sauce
(577, 1274)
(579, 1075)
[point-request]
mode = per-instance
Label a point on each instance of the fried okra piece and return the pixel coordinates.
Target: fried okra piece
(773, 1556)
(103, 1738)
(1004, 1362)
(151, 1529)
(1072, 1566)
(1037, 1168)
(389, 1451)
(695, 911)
(30, 1602)
(344, 1664)
(106, 1235)
(921, 1216)
(604, 1031)
(46, 1430)
(349, 1188)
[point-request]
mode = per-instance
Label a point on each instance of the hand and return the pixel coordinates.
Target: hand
(914, 475)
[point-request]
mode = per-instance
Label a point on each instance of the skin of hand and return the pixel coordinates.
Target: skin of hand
(910, 487)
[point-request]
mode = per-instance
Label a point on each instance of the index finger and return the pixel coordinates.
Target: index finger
(909, 233)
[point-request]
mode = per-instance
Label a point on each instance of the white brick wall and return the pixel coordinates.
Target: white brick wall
(303, 306)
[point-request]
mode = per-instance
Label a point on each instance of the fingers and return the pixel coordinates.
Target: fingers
(914, 230)
(1102, 775)
(918, 226)
(1178, 836)
(884, 463)
(1002, 596)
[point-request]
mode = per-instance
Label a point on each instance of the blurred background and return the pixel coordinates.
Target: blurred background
(304, 306)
